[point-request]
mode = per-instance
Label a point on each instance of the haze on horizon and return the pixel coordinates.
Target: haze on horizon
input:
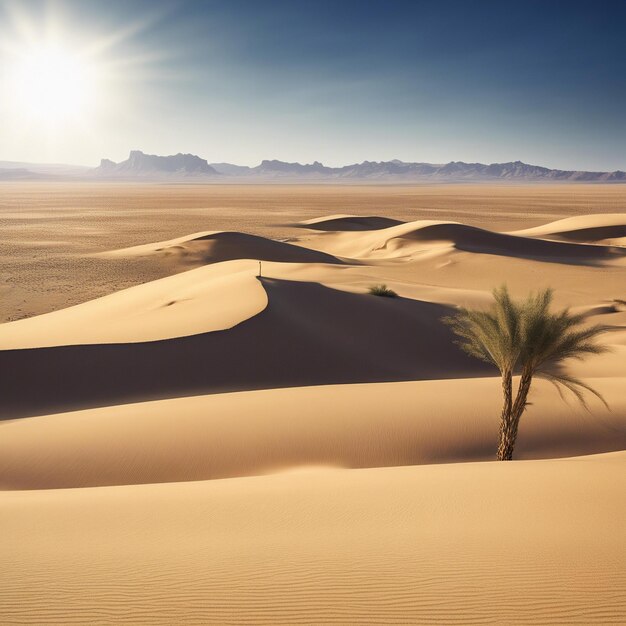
(300, 81)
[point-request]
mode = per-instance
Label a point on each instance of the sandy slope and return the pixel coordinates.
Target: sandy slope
(117, 522)
(404, 240)
(213, 247)
(52, 229)
(308, 334)
(248, 433)
(587, 228)
(536, 542)
(205, 299)
(219, 328)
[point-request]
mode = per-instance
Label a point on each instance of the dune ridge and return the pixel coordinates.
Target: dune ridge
(65, 222)
(215, 247)
(591, 240)
(307, 334)
(204, 299)
(583, 228)
(407, 239)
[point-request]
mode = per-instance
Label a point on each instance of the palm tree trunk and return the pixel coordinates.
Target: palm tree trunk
(522, 393)
(505, 417)
(508, 432)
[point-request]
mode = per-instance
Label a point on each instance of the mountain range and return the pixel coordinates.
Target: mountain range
(140, 166)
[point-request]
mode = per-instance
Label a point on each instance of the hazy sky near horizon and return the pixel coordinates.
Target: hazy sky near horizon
(328, 80)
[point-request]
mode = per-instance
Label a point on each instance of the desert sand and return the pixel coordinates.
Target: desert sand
(479, 543)
(185, 441)
(54, 231)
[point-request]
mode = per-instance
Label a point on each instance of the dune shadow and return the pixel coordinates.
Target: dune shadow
(478, 240)
(217, 247)
(592, 233)
(308, 335)
(230, 246)
(349, 223)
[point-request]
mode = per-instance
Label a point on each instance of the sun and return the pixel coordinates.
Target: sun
(52, 85)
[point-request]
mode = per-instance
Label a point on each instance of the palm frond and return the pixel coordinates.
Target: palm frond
(572, 384)
(492, 335)
(571, 343)
(528, 334)
(554, 337)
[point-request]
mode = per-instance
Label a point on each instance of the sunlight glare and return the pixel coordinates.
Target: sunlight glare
(49, 84)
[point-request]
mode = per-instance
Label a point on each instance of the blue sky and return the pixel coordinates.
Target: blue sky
(339, 82)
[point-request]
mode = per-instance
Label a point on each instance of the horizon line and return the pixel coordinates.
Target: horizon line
(83, 165)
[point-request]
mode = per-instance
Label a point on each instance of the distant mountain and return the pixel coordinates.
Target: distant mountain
(399, 171)
(21, 173)
(228, 169)
(140, 165)
(46, 169)
(280, 168)
(454, 171)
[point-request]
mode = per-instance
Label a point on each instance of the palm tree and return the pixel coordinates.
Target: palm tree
(525, 337)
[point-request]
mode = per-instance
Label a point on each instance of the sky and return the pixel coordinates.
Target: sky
(303, 80)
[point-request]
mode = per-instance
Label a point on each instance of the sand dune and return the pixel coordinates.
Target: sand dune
(349, 222)
(214, 247)
(218, 328)
(308, 334)
(259, 432)
(583, 228)
(536, 542)
(372, 237)
(205, 299)
(51, 227)
(275, 450)
(404, 240)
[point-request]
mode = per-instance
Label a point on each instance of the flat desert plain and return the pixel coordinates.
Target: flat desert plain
(185, 441)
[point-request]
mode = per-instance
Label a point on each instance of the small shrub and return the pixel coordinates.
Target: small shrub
(383, 291)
